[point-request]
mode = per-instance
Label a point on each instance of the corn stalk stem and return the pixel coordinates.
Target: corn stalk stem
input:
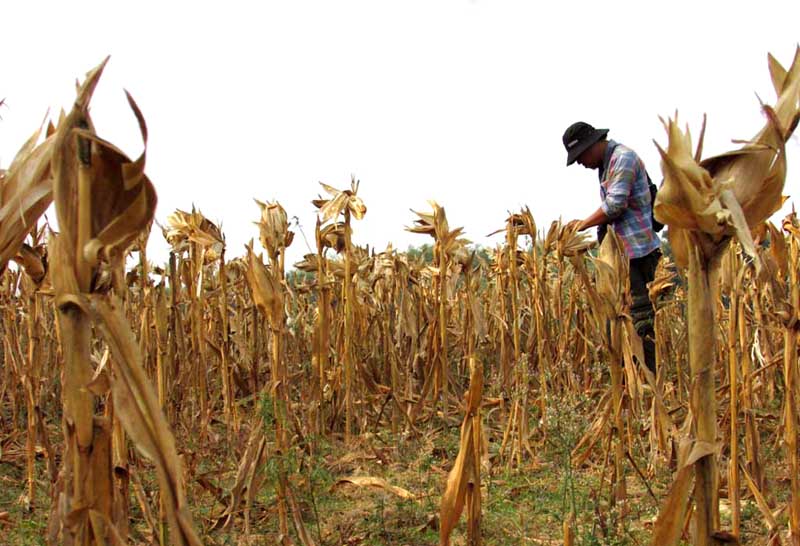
(751, 434)
(790, 402)
(322, 335)
(31, 393)
(78, 402)
(84, 227)
(703, 399)
(347, 296)
(442, 386)
(616, 365)
(733, 468)
(199, 362)
(227, 372)
(279, 402)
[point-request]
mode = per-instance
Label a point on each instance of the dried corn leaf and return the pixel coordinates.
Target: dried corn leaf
(91, 172)
(689, 199)
(571, 242)
(777, 247)
(671, 515)
(551, 238)
(249, 475)
(664, 280)
(32, 261)
(380, 483)
(185, 227)
(333, 236)
(463, 481)
(583, 449)
(340, 201)
(297, 520)
(433, 224)
(731, 192)
(139, 412)
(65, 166)
(26, 190)
(763, 506)
(757, 171)
(612, 275)
(127, 196)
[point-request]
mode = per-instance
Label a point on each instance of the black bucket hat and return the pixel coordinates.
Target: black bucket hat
(579, 137)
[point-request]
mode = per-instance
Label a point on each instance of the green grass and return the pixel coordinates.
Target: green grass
(26, 527)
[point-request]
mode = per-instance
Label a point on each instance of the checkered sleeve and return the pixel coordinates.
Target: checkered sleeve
(621, 176)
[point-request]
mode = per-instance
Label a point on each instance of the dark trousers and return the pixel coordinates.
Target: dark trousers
(643, 271)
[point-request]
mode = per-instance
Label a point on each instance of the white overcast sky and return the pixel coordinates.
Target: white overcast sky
(459, 101)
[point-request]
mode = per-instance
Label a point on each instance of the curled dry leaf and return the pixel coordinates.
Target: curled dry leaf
(522, 223)
(333, 236)
(185, 227)
(103, 199)
(664, 280)
(435, 224)
(33, 262)
(672, 513)
(689, 198)
(309, 263)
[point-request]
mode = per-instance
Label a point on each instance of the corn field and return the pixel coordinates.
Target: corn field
(216, 399)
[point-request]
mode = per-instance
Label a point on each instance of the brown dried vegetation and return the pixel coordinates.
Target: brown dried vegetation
(217, 381)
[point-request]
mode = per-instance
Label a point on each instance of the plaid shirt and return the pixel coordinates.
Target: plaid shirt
(626, 200)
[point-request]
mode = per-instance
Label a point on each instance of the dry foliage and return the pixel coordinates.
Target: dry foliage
(242, 367)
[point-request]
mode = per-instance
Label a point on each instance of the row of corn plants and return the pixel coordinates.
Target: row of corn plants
(112, 365)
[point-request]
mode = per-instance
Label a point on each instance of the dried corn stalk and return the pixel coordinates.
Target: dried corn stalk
(104, 202)
(464, 480)
(448, 247)
(346, 203)
(705, 203)
(612, 296)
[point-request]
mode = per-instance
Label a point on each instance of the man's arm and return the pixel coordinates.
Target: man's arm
(595, 219)
(619, 186)
(620, 183)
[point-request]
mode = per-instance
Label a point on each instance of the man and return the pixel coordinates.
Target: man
(626, 206)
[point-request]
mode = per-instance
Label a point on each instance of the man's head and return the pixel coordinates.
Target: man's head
(585, 144)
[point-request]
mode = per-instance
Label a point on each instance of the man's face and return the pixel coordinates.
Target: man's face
(592, 157)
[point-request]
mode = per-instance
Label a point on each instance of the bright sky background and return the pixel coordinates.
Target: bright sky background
(459, 101)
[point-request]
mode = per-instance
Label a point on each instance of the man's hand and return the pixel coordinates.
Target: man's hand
(576, 224)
